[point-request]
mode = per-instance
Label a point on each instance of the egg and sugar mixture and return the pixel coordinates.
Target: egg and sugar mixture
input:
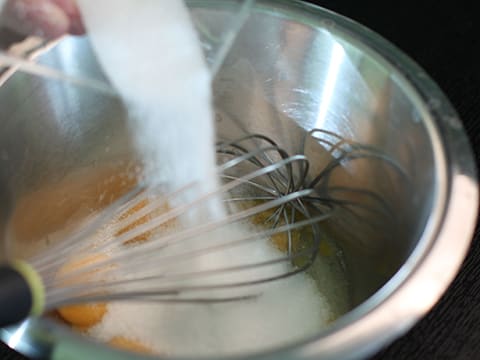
(167, 132)
(286, 311)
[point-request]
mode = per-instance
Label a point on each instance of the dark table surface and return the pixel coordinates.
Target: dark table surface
(442, 37)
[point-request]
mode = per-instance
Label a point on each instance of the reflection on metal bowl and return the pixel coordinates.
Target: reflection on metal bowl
(293, 69)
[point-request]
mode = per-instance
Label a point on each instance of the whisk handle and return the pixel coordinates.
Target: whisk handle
(21, 293)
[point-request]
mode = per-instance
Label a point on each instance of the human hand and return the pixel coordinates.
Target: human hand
(45, 18)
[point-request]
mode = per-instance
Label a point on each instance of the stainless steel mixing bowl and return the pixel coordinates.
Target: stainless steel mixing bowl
(293, 68)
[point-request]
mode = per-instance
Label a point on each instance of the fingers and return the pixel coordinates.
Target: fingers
(71, 10)
(46, 18)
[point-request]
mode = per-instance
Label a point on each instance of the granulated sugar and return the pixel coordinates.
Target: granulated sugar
(151, 54)
(287, 311)
(150, 51)
(283, 312)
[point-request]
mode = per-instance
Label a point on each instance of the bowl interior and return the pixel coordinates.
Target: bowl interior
(311, 86)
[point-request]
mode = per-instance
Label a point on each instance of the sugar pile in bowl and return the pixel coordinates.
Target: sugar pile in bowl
(151, 54)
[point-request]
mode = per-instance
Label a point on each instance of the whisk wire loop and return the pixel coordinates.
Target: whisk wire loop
(272, 201)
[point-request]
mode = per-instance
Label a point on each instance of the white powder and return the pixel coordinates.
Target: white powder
(150, 52)
(285, 311)
(288, 311)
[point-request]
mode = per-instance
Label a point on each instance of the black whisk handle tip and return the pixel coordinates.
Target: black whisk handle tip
(21, 293)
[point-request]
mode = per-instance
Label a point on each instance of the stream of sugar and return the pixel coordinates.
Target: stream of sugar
(151, 54)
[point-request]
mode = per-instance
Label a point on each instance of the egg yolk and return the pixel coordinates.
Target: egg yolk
(281, 240)
(124, 343)
(144, 236)
(81, 316)
(130, 212)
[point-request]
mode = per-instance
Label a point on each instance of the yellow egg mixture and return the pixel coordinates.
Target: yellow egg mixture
(84, 316)
(95, 192)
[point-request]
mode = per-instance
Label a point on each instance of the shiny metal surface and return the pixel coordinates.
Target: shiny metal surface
(293, 68)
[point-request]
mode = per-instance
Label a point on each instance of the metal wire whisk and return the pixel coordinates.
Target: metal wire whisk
(141, 248)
